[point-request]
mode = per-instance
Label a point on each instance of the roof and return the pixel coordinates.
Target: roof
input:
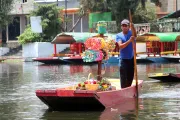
(175, 14)
(162, 37)
(71, 37)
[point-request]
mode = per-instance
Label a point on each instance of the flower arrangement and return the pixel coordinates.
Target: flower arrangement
(92, 55)
(105, 85)
(110, 44)
(95, 43)
(92, 84)
(88, 85)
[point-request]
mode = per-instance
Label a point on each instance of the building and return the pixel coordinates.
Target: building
(168, 15)
(72, 7)
(167, 6)
(21, 8)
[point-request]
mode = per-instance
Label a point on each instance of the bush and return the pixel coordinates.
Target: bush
(29, 36)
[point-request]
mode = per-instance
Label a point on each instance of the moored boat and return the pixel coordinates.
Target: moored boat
(165, 77)
(77, 46)
(70, 98)
(161, 45)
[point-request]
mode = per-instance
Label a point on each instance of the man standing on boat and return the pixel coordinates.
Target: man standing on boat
(124, 40)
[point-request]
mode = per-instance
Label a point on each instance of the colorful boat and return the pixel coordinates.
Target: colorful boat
(165, 77)
(76, 45)
(161, 45)
(69, 98)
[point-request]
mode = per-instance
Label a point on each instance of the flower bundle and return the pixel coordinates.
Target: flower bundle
(92, 84)
(105, 85)
(92, 55)
(110, 44)
(95, 43)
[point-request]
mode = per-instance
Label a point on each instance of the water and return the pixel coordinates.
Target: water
(19, 80)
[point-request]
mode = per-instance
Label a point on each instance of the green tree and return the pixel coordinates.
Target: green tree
(5, 9)
(119, 8)
(52, 24)
(145, 15)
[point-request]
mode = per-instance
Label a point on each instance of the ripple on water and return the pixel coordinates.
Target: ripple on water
(162, 94)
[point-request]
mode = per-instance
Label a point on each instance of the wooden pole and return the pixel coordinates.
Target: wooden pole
(134, 50)
(55, 51)
(99, 77)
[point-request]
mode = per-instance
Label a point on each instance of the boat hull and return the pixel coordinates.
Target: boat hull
(72, 103)
(62, 60)
(166, 77)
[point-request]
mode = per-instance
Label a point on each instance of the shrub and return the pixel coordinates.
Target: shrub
(29, 36)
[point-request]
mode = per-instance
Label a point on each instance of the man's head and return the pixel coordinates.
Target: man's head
(125, 26)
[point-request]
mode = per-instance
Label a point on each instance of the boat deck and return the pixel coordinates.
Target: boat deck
(114, 82)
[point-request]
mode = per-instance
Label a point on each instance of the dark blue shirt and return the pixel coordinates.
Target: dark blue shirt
(127, 52)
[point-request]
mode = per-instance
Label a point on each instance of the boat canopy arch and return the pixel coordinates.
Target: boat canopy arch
(175, 14)
(75, 37)
(161, 37)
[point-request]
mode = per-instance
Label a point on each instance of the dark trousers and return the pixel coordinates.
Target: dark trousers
(126, 72)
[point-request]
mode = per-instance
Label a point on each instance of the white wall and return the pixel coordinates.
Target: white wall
(140, 47)
(22, 8)
(41, 49)
(3, 50)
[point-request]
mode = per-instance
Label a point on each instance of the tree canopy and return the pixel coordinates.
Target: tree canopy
(119, 8)
(146, 15)
(5, 9)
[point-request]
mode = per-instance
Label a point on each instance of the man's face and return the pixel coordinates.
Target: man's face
(125, 28)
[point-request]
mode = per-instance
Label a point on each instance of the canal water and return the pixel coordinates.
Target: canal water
(19, 80)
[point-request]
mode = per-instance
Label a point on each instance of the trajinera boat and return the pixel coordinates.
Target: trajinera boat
(165, 77)
(71, 98)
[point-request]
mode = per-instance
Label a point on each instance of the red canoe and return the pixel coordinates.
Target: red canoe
(68, 98)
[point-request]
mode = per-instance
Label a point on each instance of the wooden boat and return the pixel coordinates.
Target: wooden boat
(76, 45)
(161, 45)
(68, 98)
(76, 59)
(165, 77)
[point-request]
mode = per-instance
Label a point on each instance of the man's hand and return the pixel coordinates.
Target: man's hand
(132, 38)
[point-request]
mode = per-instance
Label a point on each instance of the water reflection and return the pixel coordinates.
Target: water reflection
(127, 110)
(165, 68)
(18, 82)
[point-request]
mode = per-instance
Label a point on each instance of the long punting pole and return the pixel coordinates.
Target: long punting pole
(134, 50)
(99, 76)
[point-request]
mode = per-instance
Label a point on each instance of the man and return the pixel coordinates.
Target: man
(124, 40)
